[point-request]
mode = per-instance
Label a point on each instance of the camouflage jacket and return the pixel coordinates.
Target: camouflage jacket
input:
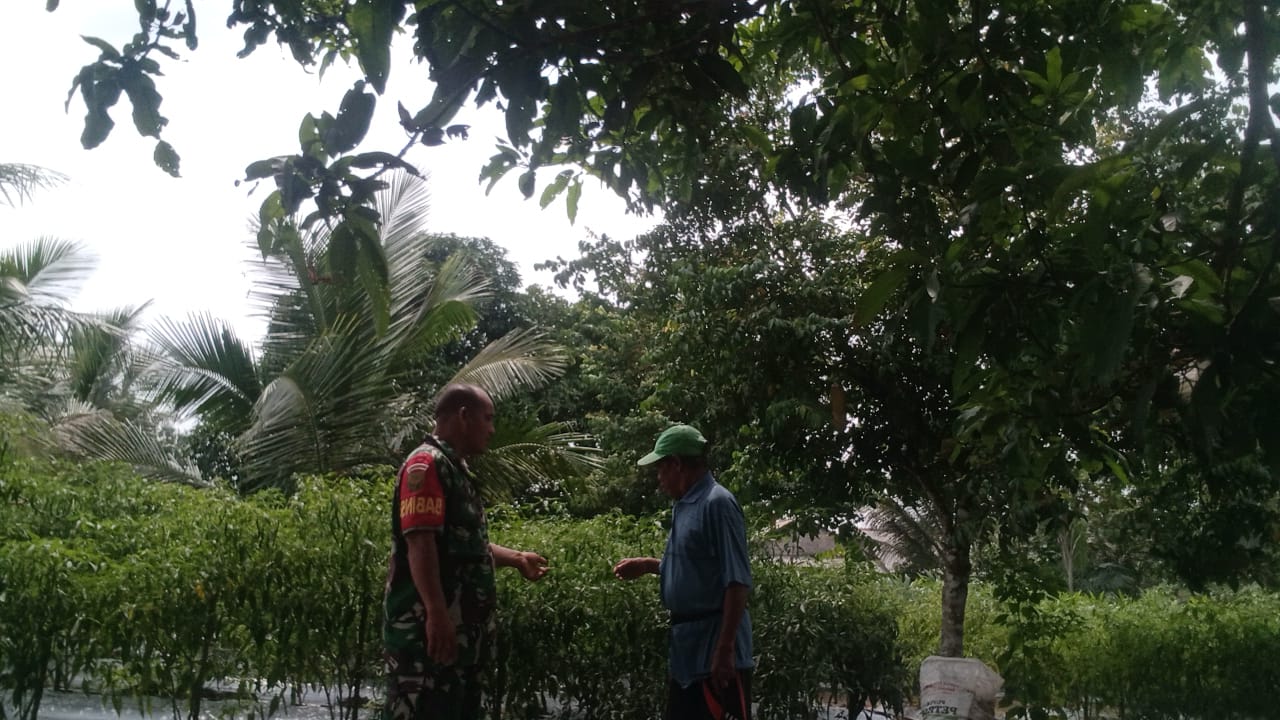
(444, 500)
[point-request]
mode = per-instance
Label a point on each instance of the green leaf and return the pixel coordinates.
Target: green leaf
(556, 187)
(724, 74)
(97, 126)
(377, 159)
(260, 169)
(1053, 67)
(371, 265)
(372, 24)
(166, 158)
(1107, 330)
(344, 248)
(758, 139)
(571, 201)
(269, 213)
(1116, 469)
(1035, 79)
(440, 110)
(856, 83)
(108, 51)
(993, 181)
(189, 27)
(519, 117)
(874, 298)
(1199, 271)
(309, 135)
(352, 123)
(565, 108)
(294, 186)
(141, 90)
(526, 183)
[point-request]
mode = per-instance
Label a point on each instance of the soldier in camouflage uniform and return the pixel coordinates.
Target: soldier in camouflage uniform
(440, 595)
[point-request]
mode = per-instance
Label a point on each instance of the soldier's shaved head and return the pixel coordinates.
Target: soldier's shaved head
(456, 396)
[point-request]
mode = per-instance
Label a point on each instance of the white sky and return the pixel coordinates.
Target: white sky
(181, 243)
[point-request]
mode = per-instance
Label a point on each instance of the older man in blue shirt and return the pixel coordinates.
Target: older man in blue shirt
(705, 579)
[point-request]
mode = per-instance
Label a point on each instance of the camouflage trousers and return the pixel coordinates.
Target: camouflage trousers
(419, 690)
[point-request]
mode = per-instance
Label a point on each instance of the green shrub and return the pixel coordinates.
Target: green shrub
(822, 635)
(1162, 655)
(146, 589)
(580, 637)
(916, 605)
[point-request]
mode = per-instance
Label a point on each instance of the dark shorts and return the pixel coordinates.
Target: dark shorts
(700, 701)
(414, 693)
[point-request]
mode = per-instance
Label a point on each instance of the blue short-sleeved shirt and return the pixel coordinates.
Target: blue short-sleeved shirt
(706, 552)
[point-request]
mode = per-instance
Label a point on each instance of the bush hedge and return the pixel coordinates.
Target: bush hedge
(147, 590)
(1166, 654)
(141, 590)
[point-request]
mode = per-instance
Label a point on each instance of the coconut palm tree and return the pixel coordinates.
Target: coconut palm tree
(78, 374)
(100, 401)
(327, 391)
(37, 282)
(37, 279)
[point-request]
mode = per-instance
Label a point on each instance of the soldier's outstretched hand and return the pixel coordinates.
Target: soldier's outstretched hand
(531, 565)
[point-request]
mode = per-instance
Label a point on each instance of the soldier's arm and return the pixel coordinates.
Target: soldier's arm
(531, 565)
(424, 566)
(422, 518)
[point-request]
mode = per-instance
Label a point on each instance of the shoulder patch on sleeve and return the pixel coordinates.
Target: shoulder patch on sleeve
(422, 503)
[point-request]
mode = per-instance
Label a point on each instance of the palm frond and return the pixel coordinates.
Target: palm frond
(423, 321)
(50, 270)
(32, 383)
(520, 360)
(290, 295)
(101, 357)
(284, 435)
(428, 305)
(28, 329)
(404, 206)
(18, 181)
(527, 457)
(37, 279)
(903, 538)
(97, 435)
(320, 414)
(207, 368)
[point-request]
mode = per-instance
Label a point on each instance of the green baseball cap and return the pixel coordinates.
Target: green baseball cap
(684, 440)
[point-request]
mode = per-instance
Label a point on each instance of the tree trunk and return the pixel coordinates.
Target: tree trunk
(955, 594)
